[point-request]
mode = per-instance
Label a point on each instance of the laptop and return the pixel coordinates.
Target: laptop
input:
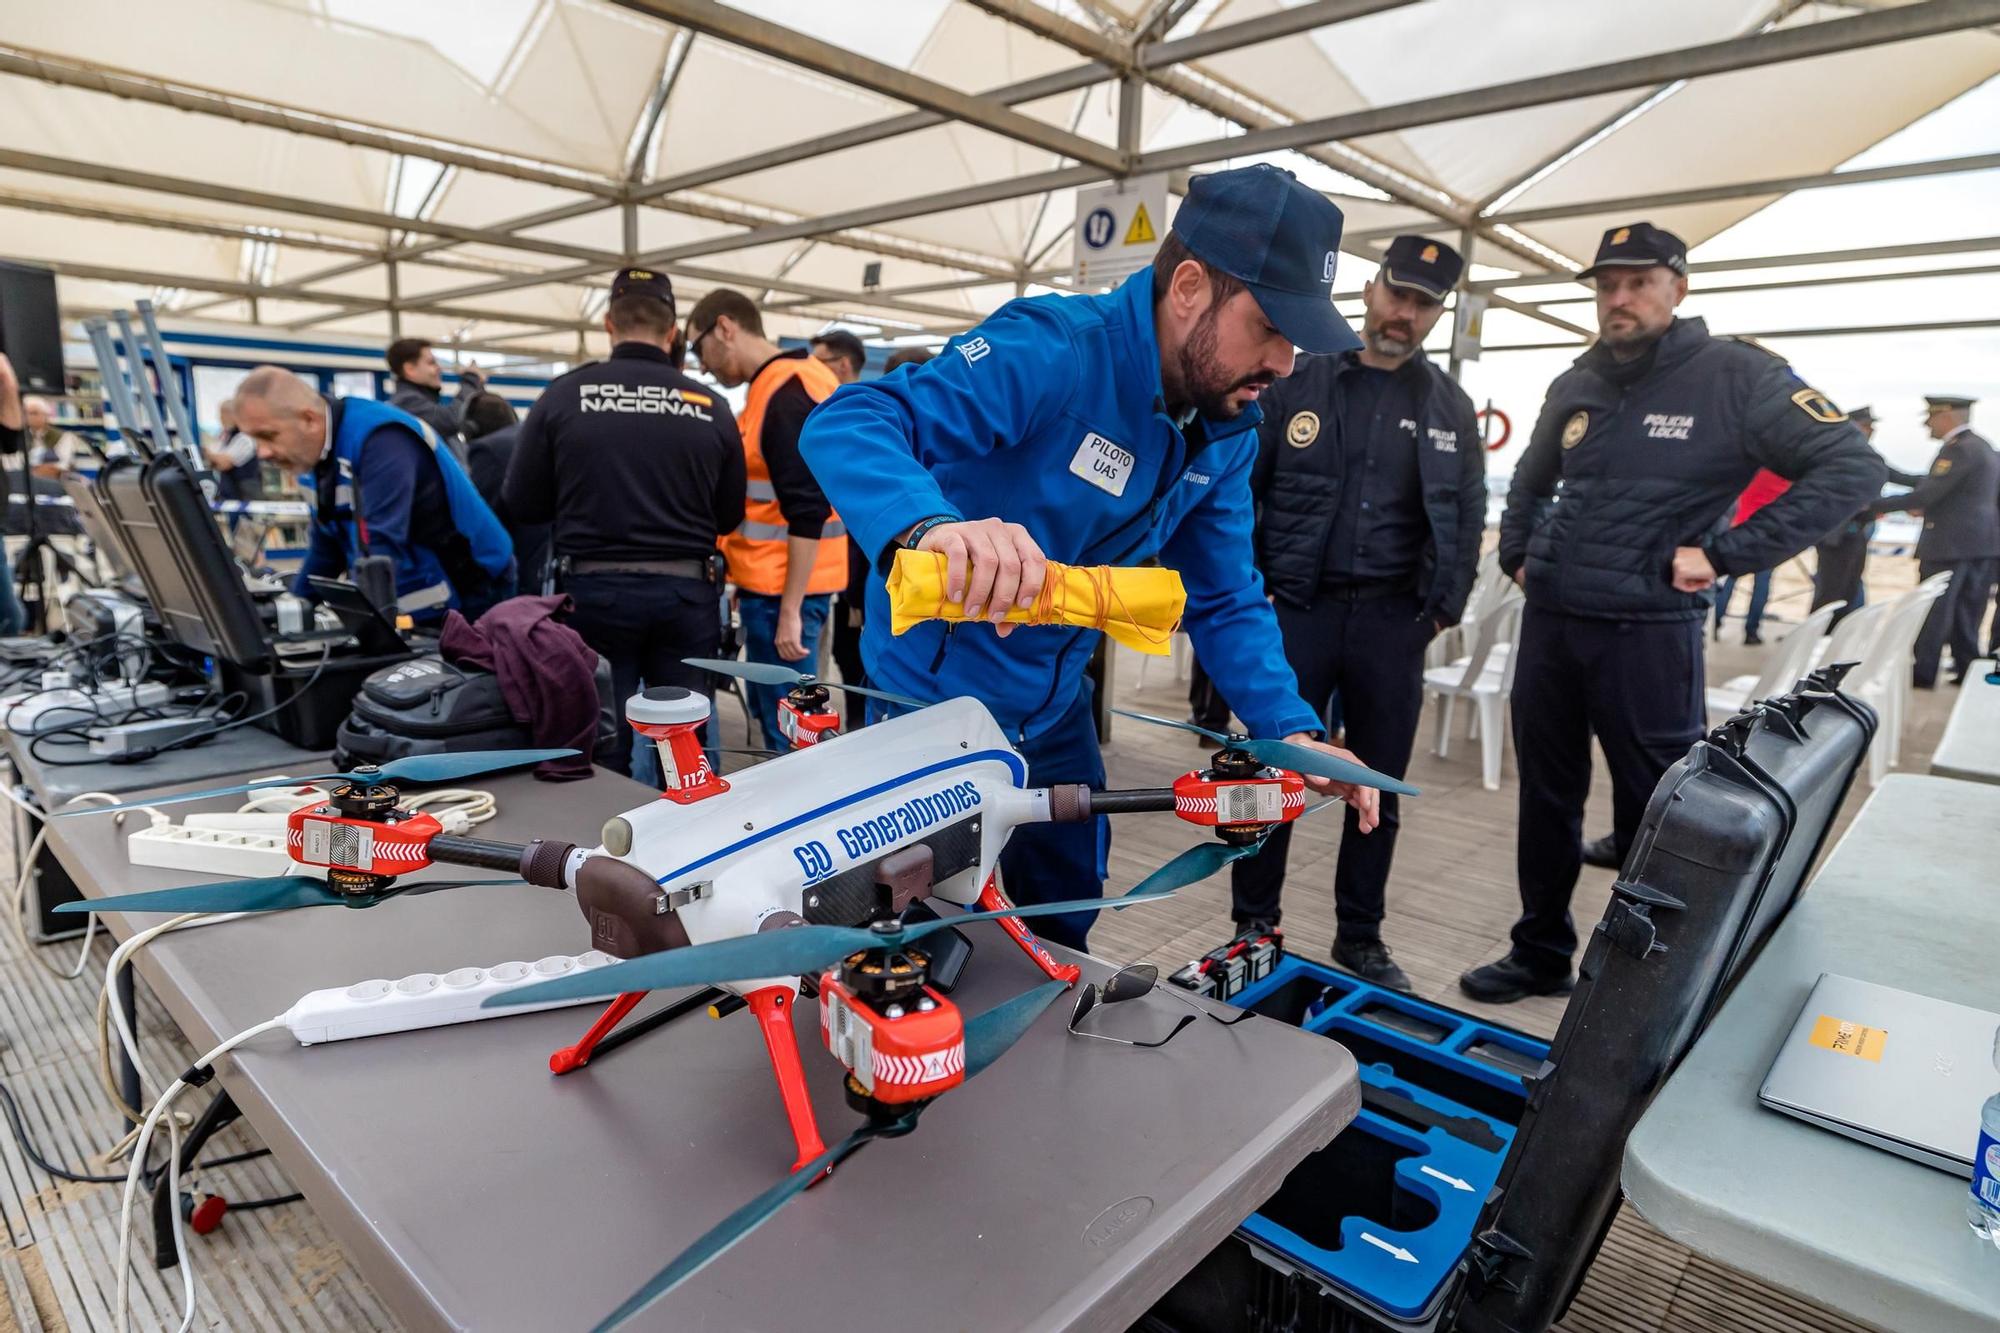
(1902, 1072)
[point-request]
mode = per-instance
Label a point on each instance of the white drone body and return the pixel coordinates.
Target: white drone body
(785, 835)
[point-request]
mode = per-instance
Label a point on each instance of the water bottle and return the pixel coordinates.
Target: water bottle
(1982, 1210)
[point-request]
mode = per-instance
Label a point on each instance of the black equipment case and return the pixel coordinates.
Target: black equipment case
(427, 705)
(1723, 851)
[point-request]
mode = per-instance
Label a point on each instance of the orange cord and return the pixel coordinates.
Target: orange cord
(1052, 603)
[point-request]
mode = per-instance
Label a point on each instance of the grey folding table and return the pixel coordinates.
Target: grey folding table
(1907, 899)
(1970, 746)
(1067, 1188)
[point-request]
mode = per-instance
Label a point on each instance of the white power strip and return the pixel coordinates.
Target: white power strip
(246, 853)
(38, 710)
(426, 999)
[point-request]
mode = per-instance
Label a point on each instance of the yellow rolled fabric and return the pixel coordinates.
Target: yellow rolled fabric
(1139, 608)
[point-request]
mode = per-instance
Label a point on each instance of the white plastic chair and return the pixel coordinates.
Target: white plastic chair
(1850, 640)
(1484, 676)
(1882, 680)
(1449, 645)
(1787, 661)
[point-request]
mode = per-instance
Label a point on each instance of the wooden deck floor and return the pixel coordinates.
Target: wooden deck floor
(1451, 900)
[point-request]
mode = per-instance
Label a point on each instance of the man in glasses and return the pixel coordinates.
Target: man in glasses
(789, 554)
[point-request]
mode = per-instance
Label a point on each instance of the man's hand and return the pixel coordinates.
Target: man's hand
(990, 567)
(1692, 572)
(791, 632)
(1521, 577)
(10, 395)
(1367, 801)
(471, 382)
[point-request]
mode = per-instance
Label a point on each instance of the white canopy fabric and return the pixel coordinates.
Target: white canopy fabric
(261, 158)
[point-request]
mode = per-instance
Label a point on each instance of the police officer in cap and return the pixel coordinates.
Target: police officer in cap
(1650, 437)
(1371, 493)
(1841, 560)
(640, 468)
(1961, 535)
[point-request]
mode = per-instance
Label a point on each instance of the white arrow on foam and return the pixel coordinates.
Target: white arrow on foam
(1381, 1244)
(1452, 1181)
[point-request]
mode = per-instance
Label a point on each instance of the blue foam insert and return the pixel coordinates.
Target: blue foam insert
(1421, 1052)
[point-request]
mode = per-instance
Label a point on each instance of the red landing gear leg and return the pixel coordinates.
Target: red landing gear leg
(991, 901)
(773, 1008)
(573, 1057)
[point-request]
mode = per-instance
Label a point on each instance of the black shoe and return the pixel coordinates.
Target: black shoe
(1511, 979)
(1257, 927)
(1370, 960)
(1752, 639)
(1604, 852)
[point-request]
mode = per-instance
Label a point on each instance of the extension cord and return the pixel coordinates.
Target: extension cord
(144, 738)
(23, 712)
(231, 853)
(426, 999)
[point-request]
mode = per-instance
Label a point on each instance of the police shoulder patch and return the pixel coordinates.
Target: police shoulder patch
(1574, 428)
(1818, 406)
(1302, 429)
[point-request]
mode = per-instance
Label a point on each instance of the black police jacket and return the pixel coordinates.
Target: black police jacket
(1628, 462)
(1957, 499)
(631, 460)
(1296, 482)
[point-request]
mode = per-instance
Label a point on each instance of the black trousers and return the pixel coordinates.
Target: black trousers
(846, 627)
(1638, 686)
(1372, 652)
(1953, 618)
(1205, 702)
(1837, 574)
(644, 624)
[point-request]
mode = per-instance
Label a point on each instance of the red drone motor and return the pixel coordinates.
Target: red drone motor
(806, 716)
(1238, 797)
(360, 836)
(901, 1041)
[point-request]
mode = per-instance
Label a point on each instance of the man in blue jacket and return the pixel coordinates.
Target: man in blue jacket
(1094, 430)
(381, 483)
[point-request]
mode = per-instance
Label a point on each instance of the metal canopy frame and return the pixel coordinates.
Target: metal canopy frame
(1136, 55)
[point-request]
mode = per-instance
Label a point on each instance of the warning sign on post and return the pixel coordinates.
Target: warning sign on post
(1118, 229)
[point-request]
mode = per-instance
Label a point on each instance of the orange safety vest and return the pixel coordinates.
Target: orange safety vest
(756, 551)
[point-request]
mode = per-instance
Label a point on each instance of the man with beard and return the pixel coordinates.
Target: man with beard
(1094, 430)
(1650, 436)
(1371, 494)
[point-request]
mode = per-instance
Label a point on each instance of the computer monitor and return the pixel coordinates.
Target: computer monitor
(192, 580)
(103, 534)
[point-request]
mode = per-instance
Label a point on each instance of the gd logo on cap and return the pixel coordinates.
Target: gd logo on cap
(1574, 428)
(1302, 429)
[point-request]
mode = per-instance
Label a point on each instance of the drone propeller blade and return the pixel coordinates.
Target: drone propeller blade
(1300, 759)
(263, 895)
(793, 951)
(450, 767)
(872, 693)
(747, 1219)
(410, 768)
(778, 953)
(229, 895)
(757, 673)
(989, 1036)
(1171, 722)
(1191, 866)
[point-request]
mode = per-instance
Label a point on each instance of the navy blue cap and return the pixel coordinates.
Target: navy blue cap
(1422, 265)
(1639, 245)
(1259, 225)
(644, 282)
(1860, 414)
(1950, 402)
